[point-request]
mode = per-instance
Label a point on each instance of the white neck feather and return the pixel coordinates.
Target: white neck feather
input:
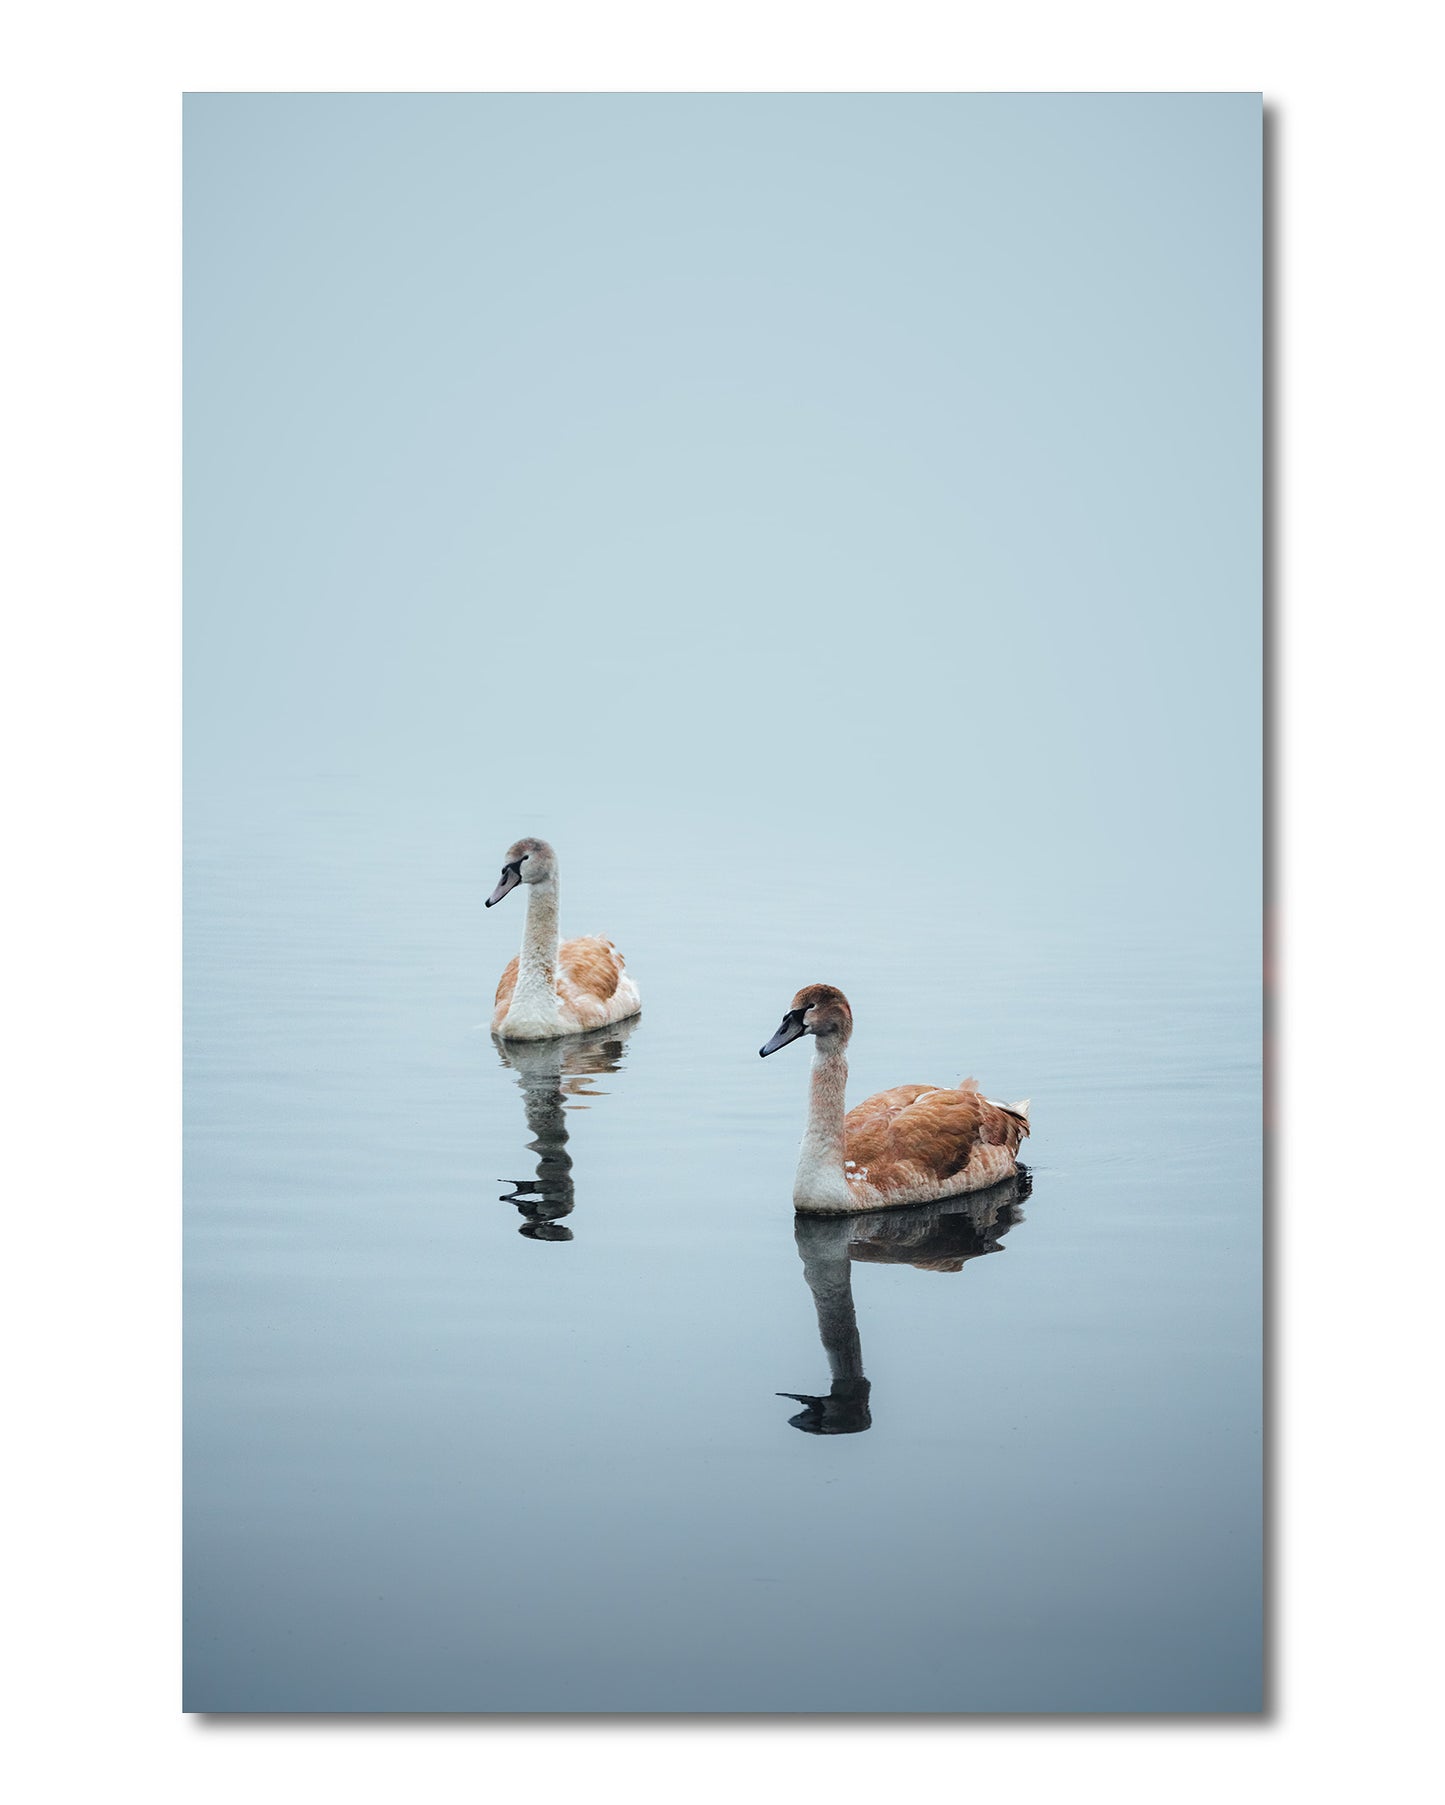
(820, 1177)
(536, 990)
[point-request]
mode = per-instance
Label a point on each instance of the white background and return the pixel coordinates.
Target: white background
(90, 135)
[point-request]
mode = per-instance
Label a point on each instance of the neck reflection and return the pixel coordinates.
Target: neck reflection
(936, 1237)
(555, 1076)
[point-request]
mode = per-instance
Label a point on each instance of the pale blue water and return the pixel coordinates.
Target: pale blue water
(450, 1452)
(834, 522)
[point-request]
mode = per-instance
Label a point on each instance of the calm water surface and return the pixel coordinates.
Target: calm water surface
(513, 1384)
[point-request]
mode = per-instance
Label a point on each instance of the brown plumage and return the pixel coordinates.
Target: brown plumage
(915, 1143)
(918, 1136)
(554, 987)
(589, 970)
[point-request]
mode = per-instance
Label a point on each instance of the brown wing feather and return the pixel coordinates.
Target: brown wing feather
(868, 1121)
(591, 966)
(507, 983)
(921, 1132)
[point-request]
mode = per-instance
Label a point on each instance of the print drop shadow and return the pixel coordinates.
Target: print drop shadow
(551, 1075)
(935, 1237)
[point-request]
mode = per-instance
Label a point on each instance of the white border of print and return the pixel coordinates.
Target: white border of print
(90, 716)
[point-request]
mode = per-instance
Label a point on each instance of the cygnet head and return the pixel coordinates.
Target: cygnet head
(526, 862)
(818, 1009)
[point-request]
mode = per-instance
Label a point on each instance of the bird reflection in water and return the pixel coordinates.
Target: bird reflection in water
(936, 1237)
(555, 1076)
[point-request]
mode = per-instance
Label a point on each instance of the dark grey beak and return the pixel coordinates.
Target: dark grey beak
(791, 1029)
(510, 878)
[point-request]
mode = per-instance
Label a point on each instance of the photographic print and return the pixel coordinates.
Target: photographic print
(672, 578)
